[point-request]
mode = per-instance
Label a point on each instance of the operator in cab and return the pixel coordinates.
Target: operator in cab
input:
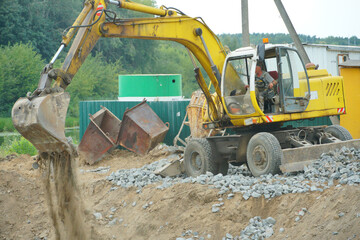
(265, 88)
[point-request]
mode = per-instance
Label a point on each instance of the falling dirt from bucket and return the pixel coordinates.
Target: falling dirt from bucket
(63, 196)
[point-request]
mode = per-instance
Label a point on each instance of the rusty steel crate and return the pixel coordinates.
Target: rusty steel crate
(100, 136)
(141, 129)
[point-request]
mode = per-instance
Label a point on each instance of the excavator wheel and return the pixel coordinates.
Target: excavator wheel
(200, 158)
(264, 154)
(339, 132)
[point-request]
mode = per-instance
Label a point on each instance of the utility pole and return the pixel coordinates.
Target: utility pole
(292, 32)
(245, 23)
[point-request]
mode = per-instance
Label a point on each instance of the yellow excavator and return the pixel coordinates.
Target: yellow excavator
(249, 113)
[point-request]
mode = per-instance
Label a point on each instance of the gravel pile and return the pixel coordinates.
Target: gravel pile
(342, 165)
(138, 177)
(257, 229)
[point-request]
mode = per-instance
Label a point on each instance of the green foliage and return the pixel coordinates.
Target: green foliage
(96, 80)
(234, 41)
(72, 122)
(173, 58)
(6, 125)
(38, 23)
(17, 145)
(136, 55)
(20, 68)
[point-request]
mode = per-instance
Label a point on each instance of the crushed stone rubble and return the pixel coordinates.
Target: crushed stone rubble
(256, 229)
(342, 165)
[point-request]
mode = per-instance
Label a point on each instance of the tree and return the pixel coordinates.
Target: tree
(173, 58)
(136, 55)
(95, 80)
(20, 68)
(38, 22)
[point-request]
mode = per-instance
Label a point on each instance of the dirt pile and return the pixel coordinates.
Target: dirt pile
(181, 210)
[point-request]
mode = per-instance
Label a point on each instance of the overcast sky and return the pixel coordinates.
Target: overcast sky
(311, 17)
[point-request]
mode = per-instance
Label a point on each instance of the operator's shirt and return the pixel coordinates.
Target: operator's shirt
(265, 76)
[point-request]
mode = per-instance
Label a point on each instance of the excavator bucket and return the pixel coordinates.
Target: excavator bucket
(41, 120)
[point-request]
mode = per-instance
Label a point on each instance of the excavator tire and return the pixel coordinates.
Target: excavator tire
(339, 132)
(264, 154)
(200, 158)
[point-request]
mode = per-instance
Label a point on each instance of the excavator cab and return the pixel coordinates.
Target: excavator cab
(290, 93)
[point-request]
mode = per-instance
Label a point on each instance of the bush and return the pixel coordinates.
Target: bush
(6, 125)
(20, 68)
(17, 145)
(95, 80)
(72, 122)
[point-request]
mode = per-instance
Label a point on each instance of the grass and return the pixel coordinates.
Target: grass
(6, 125)
(20, 145)
(72, 122)
(17, 144)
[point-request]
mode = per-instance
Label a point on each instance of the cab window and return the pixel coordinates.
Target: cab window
(236, 82)
(294, 82)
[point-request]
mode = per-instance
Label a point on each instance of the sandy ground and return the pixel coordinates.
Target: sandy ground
(182, 207)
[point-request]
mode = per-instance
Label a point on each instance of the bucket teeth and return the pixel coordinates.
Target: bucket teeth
(42, 121)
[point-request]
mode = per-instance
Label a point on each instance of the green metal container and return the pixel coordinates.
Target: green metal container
(172, 112)
(144, 85)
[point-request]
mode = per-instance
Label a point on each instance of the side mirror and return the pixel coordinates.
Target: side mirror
(261, 51)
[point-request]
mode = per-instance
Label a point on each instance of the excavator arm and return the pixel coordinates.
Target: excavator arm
(40, 117)
(170, 26)
(184, 30)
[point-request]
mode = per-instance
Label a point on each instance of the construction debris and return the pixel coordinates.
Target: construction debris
(140, 131)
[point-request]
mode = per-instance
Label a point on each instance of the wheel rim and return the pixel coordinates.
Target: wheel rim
(196, 162)
(259, 157)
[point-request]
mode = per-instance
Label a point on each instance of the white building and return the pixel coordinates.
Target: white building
(330, 56)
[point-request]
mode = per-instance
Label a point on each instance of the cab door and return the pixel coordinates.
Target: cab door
(293, 81)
